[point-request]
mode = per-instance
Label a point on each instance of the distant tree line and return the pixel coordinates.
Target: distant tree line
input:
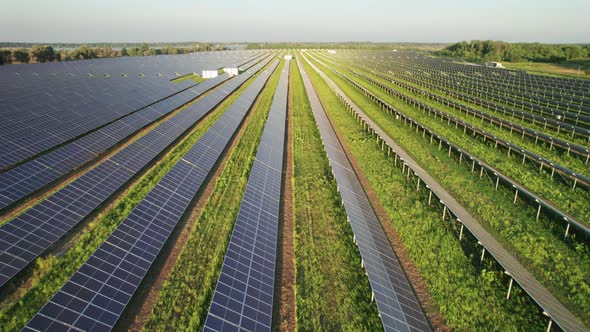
(350, 45)
(46, 53)
(490, 50)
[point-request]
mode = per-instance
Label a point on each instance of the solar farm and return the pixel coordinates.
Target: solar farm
(293, 189)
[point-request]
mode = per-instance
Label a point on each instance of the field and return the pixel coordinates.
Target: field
(406, 191)
(566, 69)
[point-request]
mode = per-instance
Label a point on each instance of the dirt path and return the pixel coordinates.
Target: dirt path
(286, 290)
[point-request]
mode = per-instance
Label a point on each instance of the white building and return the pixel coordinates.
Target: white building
(493, 64)
(209, 73)
(231, 70)
(332, 51)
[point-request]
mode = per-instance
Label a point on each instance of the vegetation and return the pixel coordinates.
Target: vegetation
(457, 285)
(571, 68)
(332, 291)
(193, 77)
(561, 266)
(490, 50)
(185, 297)
(51, 272)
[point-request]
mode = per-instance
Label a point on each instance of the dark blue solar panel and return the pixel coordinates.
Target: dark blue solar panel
(82, 196)
(118, 266)
(45, 105)
(244, 293)
(21, 181)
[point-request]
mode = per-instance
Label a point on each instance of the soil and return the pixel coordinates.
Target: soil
(286, 287)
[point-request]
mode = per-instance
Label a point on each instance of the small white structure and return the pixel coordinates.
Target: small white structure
(332, 51)
(493, 64)
(231, 70)
(288, 57)
(209, 74)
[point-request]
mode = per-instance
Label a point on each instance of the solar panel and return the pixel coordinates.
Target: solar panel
(96, 295)
(25, 179)
(244, 292)
(79, 198)
(45, 105)
(398, 307)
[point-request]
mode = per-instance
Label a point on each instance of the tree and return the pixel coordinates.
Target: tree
(5, 57)
(20, 55)
(145, 48)
(169, 50)
(124, 52)
(43, 53)
(83, 52)
(134, 51)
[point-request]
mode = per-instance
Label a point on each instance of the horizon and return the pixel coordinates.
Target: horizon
(264, 21)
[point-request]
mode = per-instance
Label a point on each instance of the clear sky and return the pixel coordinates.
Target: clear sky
(556, 21)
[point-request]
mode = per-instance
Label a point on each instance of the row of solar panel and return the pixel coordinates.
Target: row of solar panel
(244, 293)
(19, 182)
(96, 295)
(38, 118)
(28, 235)
(166, 66)
(44, 121)
(398, 307)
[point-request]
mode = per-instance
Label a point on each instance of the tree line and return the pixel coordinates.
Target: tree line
(490, 50)
(46, 53)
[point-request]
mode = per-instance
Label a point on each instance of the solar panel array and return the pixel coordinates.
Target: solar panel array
(31, 233)
(398, 306)
(43, 106)
(29, 177)
(96, 295)
(244, 293)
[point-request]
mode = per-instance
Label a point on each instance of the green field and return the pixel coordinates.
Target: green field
(562, 69)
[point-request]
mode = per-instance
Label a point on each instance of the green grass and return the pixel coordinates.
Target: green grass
(193, 77)
(185, 297)
(51, 272)
(564, 69)
(332, 291)
(562, 267)
(469, 296)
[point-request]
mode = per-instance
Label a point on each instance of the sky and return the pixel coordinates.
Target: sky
(78, 21)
